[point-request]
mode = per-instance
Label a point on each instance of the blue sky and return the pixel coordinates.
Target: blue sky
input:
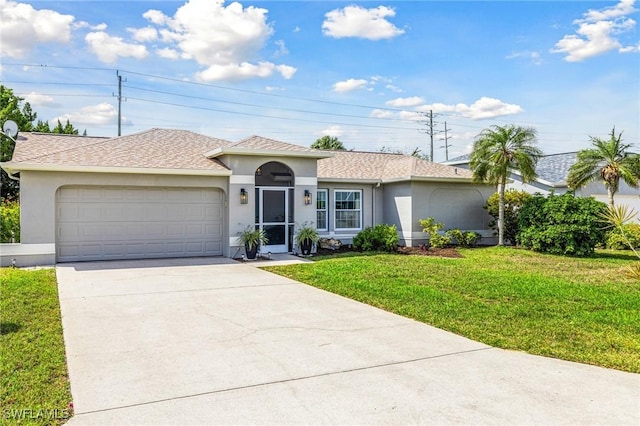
(366, 72)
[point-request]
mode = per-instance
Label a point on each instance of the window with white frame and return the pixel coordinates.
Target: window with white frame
(322, 218)
(348, 209)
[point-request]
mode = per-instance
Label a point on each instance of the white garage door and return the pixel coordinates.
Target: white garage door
(102, 223)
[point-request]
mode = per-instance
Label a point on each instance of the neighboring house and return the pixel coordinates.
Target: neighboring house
(553, 171)
(173, 193)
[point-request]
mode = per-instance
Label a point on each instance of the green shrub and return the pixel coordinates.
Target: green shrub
(378, 238)
(616, 241)
(463, 238)
(513, 202)
(431, 227)
(10, 222)
(561, 224)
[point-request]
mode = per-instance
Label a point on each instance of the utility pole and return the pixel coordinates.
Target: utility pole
(430, 130)
(119, 103)
(119, 96)
(446, 143)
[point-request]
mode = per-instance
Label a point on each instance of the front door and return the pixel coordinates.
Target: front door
(276, 218)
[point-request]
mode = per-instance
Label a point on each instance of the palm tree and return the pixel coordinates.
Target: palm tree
(499, 151)
(328, 142)
(609, 161)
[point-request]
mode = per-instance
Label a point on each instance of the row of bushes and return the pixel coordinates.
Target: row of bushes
(559, 224)
(10, 222)
(385, 237)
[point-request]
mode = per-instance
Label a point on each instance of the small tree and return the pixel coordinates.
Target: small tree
(498, 152)
(513, 202)
(608, 161)
(328, 143)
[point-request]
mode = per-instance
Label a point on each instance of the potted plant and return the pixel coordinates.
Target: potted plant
(306, 237)
(252, 238)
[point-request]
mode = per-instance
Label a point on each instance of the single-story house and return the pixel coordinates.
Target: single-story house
(553, 171)
(174, 193)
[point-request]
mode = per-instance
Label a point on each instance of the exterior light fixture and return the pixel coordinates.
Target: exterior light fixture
(244, 196)
(307, 197)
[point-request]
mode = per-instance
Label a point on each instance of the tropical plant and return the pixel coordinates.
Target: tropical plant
(465, 239)
(306, 232)
(381, 237)
(500, 151)
(328, 143)
(513, 202)
(618, 217)
(431, 227)
(608, 161)
(252, 237)
(561, 224)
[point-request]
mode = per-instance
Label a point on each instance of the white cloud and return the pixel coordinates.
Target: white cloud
(39, 99)
(243, 71)
(533, 56)
(168, 53)
(335, 131)
(405, 102)
(481, 109)
(108, 48)
(100, 114)
(225, 40)
(393, 88)
(155, 17)
(356, 21)
(350, 84)
(597, 33)
(23, 27)
(144, 35)
(281, 48)
(381, 113)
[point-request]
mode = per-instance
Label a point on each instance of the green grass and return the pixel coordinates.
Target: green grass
(583, 310)
(34, 384)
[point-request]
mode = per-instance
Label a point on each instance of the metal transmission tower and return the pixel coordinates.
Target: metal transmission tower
(446, 142)
(430, 129)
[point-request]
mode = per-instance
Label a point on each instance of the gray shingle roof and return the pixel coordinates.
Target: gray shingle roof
(184, 150)
(155, 148)
(552, 168)
(377, 165)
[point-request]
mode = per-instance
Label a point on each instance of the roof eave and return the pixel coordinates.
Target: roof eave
(349, 180)
(12, 167)
(443, 179)
(266, 153)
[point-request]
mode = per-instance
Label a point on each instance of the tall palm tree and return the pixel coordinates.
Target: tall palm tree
(499, 151)
(608, 161)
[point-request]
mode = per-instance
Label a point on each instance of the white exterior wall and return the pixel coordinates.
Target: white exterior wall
(456, 205)
(371, 208)
(244, 169)
(38, 196)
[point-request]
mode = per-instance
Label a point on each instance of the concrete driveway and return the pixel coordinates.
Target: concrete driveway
(212, 341)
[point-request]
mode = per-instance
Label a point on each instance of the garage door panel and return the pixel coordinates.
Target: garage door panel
(96, 223)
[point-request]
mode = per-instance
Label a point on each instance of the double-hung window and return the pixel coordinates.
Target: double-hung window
(348, 209)
(322, 218)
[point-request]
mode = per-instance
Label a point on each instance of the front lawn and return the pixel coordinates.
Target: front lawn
(583, 310)
(34, 384)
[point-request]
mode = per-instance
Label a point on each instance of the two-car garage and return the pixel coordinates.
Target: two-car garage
(127, 222)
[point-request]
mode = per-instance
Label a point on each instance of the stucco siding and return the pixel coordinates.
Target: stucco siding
(38, 196)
